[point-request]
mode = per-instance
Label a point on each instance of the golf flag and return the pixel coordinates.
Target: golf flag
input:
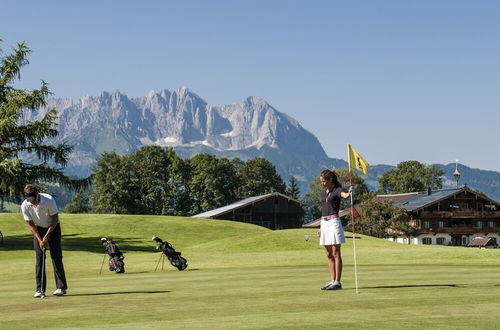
(357, 161)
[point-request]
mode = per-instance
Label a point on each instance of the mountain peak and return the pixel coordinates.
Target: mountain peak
(183, 90)
(257, 100)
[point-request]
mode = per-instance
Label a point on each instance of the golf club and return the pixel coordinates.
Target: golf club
(43, 277)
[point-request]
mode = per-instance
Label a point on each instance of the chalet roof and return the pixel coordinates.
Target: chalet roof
(482, 241)
(418, 200)
(240, 204)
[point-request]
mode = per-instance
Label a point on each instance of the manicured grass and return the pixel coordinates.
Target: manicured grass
(243, 276)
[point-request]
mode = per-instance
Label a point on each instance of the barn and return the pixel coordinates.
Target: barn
(273, 211)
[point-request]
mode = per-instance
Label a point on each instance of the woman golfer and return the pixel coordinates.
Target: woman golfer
(331, 233)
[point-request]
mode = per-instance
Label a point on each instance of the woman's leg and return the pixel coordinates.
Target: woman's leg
(331, 261)
(337, 262)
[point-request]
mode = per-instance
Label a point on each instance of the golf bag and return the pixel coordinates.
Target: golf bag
(173, 256)
(116, 263)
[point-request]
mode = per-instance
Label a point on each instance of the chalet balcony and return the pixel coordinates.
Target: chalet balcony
(463, 230)
(461, 214)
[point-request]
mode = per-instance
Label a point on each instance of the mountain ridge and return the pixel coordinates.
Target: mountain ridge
(184, 121)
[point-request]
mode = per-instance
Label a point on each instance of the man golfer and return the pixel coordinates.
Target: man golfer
(41, 214)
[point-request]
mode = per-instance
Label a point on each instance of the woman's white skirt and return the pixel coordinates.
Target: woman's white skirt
(332, 232)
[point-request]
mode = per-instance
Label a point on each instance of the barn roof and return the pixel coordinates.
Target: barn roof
(240, 204)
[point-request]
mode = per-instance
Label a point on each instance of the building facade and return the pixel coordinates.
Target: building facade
(449, 216)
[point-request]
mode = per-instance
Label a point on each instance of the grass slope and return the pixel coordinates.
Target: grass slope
(243, 276)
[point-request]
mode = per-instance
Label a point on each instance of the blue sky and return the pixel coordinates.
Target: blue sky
(399, 80)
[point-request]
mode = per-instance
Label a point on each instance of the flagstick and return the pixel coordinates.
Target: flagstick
(352, 221)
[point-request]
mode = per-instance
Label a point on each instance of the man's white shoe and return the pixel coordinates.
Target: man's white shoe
(59, 292)
(38, 294)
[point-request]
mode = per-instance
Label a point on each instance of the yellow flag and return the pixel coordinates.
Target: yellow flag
(357, 161)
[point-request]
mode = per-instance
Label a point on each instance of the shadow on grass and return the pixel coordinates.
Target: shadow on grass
(412, 286)
(73, 242)
(111, 293)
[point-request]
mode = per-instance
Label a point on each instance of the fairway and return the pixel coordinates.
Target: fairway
(242, 276)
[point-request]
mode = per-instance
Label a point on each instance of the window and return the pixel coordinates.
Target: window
(479, 224)
(427, 240)
(441, 241)
(491, 224)
(426, 224)
(440, 224)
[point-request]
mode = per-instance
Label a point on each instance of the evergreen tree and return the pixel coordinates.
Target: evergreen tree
(20, 138)
(292, 189)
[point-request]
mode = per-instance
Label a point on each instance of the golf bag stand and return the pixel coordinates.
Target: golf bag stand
(173, 256)
(116, 263)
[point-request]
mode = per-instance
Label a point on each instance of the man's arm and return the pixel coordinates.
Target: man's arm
(55, 221)
(32, 228)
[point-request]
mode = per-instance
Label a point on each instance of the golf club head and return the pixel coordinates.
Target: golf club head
(156, 239)
(42, 296)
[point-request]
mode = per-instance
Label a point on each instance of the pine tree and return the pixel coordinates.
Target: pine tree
(20, 138)
(292, 189)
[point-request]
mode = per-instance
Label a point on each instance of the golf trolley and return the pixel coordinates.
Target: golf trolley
(116, 257)
(168, 251)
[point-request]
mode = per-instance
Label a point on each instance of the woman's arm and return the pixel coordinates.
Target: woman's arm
(346, 194)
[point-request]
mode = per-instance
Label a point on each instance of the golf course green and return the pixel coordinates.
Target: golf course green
(242, 276)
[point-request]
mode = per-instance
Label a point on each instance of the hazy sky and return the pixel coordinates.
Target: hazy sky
(399, 80)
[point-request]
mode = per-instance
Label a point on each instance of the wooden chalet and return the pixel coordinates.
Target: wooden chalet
(273, 211)
(449, 216)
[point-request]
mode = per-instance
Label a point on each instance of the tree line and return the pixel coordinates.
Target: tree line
(155, 180)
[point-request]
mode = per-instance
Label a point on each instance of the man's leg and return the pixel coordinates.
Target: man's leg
(56, 255)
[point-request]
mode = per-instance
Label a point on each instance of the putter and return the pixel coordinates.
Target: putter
(43, 272)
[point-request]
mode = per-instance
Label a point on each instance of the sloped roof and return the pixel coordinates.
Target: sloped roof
(396, 198)
(416, 201)
(240, 204)
(482, 241)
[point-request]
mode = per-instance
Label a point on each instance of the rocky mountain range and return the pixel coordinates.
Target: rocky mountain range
(183, 120)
